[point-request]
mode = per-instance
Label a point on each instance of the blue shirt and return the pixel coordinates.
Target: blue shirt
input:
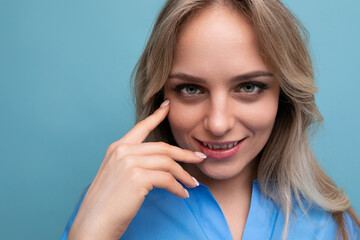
(166, 216)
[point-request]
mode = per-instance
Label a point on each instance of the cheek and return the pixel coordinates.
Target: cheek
(259, 117)
(182, 119)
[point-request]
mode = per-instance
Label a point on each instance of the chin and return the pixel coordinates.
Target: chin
(220, 169)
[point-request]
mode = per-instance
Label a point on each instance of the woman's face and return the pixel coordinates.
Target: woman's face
(221, 92)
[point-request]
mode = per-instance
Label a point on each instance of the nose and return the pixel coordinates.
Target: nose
(220, 117)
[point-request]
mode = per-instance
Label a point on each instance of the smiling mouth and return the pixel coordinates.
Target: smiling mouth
(220, 146)
(220, 150)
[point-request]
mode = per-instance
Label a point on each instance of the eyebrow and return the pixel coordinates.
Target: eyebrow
(243, 77)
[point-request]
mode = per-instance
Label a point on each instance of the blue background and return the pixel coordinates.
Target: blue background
(65, 97)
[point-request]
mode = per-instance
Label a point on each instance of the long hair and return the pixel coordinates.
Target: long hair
(287, 156)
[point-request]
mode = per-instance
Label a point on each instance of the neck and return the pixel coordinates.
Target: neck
(232, 194)
(239, 185)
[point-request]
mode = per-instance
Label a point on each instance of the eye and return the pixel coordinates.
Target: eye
(187, 89)
(191, 89)
(249, 88)
(252, 87)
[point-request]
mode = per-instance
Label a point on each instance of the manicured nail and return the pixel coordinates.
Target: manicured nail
(201, 155)
(165, 103)
(196, 181)
(187, 193)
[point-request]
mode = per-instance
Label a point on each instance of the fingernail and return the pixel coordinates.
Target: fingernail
(187, 193)
(201, 155)
(196, 181)
(165, 103)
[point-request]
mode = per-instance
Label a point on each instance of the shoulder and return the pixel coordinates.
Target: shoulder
(310, 221)
(353, 229)
(72, 217)
(318, 223)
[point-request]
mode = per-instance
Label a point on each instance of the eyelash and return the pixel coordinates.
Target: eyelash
(260, 88)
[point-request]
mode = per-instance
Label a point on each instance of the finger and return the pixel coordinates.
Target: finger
(165, 181)
(161, 163)
(161, 148)
(142, 129)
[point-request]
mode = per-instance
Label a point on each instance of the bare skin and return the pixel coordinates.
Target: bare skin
(129, 171)
(215, 47)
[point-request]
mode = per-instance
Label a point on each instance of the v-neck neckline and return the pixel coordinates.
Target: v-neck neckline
(260, 220)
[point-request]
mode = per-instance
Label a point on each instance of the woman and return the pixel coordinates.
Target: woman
(238, 86)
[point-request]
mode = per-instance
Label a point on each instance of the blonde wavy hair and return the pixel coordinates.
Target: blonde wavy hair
(287, 156)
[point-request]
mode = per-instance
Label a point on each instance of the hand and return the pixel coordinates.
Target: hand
(129, 171)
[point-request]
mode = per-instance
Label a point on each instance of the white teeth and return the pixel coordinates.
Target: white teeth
(220, 146)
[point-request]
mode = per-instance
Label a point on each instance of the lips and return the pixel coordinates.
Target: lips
(219, 151)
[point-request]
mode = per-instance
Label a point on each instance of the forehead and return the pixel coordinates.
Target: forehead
(217, 41)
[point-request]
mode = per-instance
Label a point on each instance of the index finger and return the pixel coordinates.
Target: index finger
(142, 129)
